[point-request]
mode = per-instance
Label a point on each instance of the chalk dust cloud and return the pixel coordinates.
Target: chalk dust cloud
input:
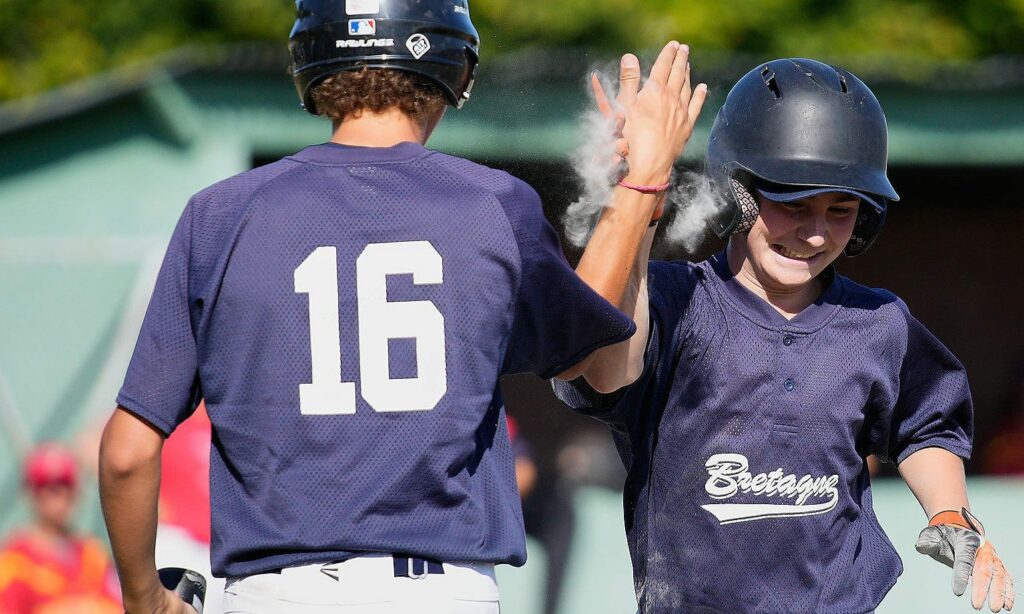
(690, 205)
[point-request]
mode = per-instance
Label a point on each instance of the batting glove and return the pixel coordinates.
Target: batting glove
(957, 540)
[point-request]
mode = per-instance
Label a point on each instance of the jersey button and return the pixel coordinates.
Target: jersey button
(788, 340)
(789, 384)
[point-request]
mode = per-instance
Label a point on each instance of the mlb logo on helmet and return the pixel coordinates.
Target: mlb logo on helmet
(362, 27)
(418, 45)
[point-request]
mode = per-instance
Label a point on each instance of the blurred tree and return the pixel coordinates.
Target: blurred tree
(51, 42)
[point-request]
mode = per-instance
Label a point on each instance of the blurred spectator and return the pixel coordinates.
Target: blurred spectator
(874, 465)
(526, 467)
(45, 568)
(1003, 453)
(588, 458)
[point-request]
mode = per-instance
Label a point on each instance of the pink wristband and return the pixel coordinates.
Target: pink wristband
(646, 189)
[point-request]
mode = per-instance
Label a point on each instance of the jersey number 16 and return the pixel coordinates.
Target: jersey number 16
(379, 321)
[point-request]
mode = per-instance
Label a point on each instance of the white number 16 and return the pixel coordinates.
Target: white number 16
(379, 321)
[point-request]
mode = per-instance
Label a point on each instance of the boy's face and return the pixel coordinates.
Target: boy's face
(791, 243)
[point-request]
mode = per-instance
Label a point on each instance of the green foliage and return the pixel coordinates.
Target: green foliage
(51, 42)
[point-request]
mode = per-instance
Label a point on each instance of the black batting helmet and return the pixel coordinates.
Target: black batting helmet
(797, 124)
(434, 39)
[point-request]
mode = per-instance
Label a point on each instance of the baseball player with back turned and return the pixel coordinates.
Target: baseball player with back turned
(760, 379)
(346, 313)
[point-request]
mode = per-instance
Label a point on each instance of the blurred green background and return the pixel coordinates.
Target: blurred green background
(46, 43)
(117, 111)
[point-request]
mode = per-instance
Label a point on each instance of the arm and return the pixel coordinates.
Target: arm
(936, 477)
(129, 475)
(954, 536)
(615, 366)
(659, 120)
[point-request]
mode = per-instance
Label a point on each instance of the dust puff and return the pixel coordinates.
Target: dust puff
(598, 169)
(695, 204)
(596, 165)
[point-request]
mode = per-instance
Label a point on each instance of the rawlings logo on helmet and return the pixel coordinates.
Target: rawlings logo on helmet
(366, 42)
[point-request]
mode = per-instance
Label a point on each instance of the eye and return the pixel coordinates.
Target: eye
(841, 211)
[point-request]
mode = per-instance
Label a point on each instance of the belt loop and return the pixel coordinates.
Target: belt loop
(421, 572)
(415, 567)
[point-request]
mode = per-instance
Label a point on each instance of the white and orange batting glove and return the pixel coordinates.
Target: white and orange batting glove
(957, 540)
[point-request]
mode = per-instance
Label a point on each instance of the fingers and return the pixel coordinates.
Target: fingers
(991, 579)
(629, 80)
(965, 550)
(678, 78)
(621, 148)
(997, 590)
(700, 94)
(603, 104)
(663, 65)
(981, 581)
(687, 83)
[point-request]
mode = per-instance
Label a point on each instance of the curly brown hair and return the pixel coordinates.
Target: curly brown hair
(347, 94)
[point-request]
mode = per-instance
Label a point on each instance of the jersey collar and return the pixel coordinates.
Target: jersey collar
(334, 153)
(756, 309)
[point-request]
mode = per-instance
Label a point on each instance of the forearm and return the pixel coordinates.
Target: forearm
(615, 266)
(622, 364)
(129, 479)
(616, 255)
(936, 477)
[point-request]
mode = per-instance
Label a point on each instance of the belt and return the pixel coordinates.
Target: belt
(405, 566)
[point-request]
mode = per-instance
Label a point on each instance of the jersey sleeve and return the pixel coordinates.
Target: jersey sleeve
(162, 385)
(934, 407)
(670, 289)
(558, 319)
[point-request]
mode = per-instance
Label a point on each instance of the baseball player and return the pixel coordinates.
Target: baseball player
(346, 313)
(760, 379)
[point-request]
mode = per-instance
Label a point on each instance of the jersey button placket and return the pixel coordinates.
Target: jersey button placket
(789, 384)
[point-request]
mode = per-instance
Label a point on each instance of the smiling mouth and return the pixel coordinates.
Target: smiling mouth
(794, 255)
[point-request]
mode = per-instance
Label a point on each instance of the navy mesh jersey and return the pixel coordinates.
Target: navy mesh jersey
(745, 438)
(346, 314)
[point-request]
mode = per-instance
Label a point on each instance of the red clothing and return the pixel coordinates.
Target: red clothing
(185, 477)
(75, 577)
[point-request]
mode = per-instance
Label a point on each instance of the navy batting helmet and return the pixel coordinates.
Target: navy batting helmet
(800, 125)
(434, 39)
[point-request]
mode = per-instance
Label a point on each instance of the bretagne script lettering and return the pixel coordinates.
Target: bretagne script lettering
(729, 475)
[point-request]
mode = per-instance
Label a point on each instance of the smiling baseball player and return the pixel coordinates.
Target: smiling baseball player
(346, 313)
(760, 379)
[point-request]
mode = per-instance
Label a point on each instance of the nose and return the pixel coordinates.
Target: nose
(813, 230)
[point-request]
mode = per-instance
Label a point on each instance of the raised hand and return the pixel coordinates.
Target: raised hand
(957, 540)
(660, 116)
(669, 108)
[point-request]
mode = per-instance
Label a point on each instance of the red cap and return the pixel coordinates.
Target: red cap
(50, 463)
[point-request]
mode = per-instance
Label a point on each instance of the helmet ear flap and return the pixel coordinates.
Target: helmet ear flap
(869, 225)
(747, 204)
(737, 207)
